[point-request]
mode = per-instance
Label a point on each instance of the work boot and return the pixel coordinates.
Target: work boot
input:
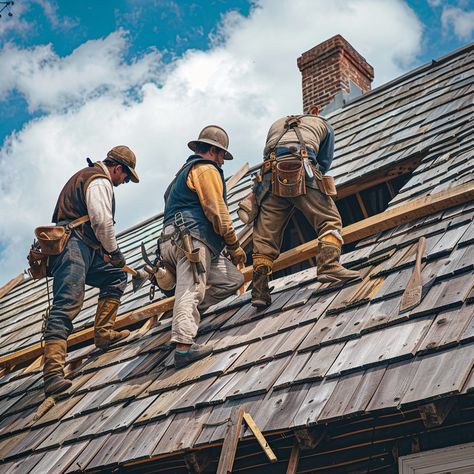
(195, 352)
(104, 333)
(261, 297)
(328, 266)
(53, 368)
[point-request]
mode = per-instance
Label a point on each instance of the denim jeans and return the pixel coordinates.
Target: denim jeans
(72, 269)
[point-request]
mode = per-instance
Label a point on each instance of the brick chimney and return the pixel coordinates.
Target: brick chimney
(333, 72)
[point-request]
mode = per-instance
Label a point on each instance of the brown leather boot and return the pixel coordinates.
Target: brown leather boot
(104, 333)
(260, 292)
(329, 268)
(53, 368)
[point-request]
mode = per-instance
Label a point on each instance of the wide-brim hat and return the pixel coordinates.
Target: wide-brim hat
(122, 155)
(216, 136)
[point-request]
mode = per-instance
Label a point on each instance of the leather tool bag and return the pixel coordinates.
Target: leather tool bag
(53, 239)
(288, 178)
(326, 184)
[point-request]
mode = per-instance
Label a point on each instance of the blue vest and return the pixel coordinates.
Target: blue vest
(179, 198)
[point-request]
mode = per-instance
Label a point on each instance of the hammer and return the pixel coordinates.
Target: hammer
(139, 277)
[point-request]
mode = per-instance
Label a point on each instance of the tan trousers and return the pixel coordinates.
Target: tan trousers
(275, 213)
(190, 298)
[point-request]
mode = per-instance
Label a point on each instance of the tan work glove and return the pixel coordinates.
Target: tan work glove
(237, 254)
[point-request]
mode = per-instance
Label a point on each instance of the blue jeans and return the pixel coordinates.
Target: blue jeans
(72, 269)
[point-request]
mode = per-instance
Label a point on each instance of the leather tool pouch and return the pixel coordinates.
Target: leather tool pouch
(325, 183)
(52, 239)
(288, 178)
(38, 263)
(248, 208)
(328, 186)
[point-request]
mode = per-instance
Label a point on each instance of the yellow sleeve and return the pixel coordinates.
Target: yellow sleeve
(206, 181)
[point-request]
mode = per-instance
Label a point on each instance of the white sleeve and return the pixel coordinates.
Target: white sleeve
(99, 196)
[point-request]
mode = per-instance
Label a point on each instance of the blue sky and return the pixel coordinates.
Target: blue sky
(78, 77)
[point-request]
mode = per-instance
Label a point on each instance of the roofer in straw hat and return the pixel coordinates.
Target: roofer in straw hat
(197, 227)
(89, 192)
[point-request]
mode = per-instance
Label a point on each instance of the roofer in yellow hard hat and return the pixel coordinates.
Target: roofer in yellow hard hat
(196, 217)
(298, 153)
(88, 193)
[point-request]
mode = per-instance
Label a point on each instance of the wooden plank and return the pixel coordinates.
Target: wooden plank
(132, 317)
(294, 459)
(388, 219)
(5, 289)
(260, 438)
(319, 363)
(314, 402)
(144, 445)
(394, 384)
(337, 404)
(258, 379)
(281, 407)
(447, 329)
(229, 447)
(60, 459)
(440, 374)
(237, 176)
(364, 391)
(259, 352)
(99, 451)
(183, 431)
(377, 347)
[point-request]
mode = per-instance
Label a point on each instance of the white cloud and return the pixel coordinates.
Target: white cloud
(50, 10)
(245, 81)
(51, 83)
(459, 20)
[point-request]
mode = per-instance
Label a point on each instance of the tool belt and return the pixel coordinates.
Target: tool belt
(325, 183)
(53, 239)
(290, 165)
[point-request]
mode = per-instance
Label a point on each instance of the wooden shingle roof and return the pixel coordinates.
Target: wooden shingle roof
(320, 355)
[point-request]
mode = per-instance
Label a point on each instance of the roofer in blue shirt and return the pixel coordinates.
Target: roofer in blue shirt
(88, 194)
(298, 153)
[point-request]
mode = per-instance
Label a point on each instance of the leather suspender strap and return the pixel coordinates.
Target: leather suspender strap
(291, 123)
(77, 222)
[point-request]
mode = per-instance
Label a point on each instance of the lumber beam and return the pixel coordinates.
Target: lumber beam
(237, 176)
(260, 438)
(5, 289)
(229, 448)
(294, 459)
(124, 320)
(388, 219)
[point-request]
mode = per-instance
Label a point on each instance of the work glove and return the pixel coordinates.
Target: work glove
(237, 254)
(117, 258)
